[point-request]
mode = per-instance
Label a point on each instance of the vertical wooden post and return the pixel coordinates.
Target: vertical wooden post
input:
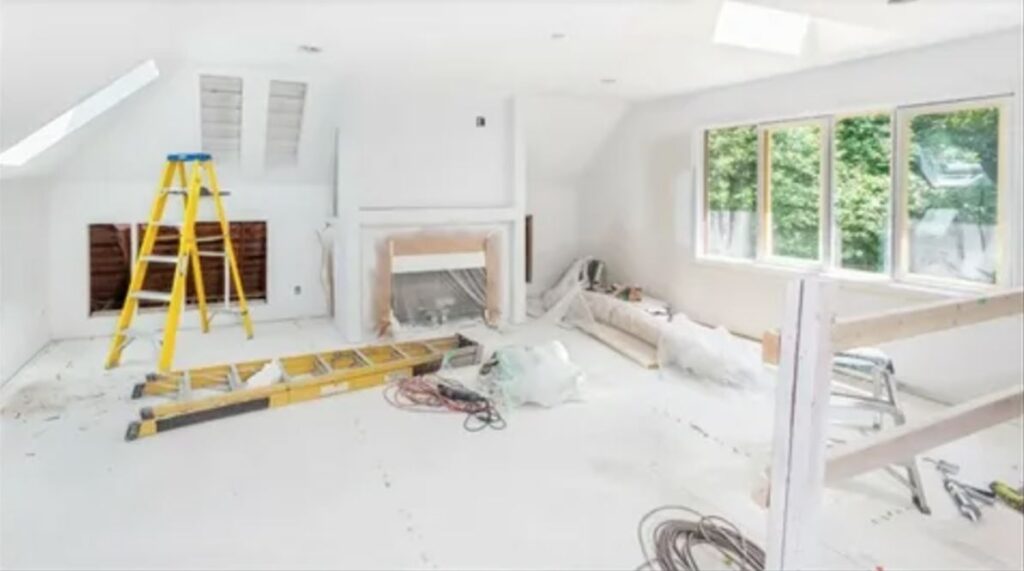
(801, 422)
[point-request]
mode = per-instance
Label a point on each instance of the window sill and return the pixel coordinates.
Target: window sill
(851, 279)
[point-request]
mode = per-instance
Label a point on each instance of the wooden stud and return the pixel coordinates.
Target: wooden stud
(903, 442)
(801, 408)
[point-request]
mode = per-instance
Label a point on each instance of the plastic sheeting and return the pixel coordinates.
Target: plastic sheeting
(538, 374)
(705, 352)
(434, 298)
(709, 353)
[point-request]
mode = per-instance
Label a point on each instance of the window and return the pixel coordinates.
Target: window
(833, 192)
(220, 101)
(111, 260)
(863, 191)
(80, 114)
(284, 122)
(731, 192)
(794, 183)
(950, 173)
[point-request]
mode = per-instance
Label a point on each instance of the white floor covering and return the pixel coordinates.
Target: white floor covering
(348, 482)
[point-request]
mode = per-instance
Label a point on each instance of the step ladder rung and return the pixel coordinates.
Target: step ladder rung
(147, 295)
(192, 181)
(161, 259)
(203, 193)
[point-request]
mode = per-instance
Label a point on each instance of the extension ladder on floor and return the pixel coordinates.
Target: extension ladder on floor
(287, 380)
(191, 190)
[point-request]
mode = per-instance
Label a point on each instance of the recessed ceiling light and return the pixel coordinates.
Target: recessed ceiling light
(558, 36)
(310, 49)
(761, 28)
(608, 80)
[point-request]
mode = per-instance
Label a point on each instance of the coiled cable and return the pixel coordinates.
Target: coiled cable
(674, 540)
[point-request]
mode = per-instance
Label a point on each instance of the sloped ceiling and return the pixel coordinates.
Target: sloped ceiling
(54, 53)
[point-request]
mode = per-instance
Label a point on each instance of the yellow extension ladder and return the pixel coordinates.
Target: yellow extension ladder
(191, 190)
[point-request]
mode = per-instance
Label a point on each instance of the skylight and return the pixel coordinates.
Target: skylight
(761, 28)
(220, 111)
(71, 120)
(284, 121)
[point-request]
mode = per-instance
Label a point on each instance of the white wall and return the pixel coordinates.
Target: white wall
(638, 202)
(555, 210)
(416, 148)
(562, 135)
(113, 176)
(413, 158)
(24, 328)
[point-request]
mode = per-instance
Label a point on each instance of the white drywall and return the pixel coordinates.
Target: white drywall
(639, 197)
(562, 135)
(415, 148)
(113, 177)
(555, 209)
(24, 329)
(414, 158)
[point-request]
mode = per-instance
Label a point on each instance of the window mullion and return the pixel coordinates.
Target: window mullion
(763, 200)
(898, 209)
(827, 222)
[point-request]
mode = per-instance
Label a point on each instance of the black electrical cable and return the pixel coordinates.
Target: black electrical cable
(433, 393)
(674, 540)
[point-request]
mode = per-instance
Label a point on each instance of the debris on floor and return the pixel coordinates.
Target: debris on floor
(532, 374)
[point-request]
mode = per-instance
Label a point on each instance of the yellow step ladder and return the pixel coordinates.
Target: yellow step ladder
(191, 189)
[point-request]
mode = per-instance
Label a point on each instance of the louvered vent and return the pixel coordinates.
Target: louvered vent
(284, 122)
(220, 100)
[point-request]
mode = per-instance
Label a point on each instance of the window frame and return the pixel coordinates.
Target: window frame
(834, 263)
(703, 208)
(765, 235)
(828, 262)
(901, 232)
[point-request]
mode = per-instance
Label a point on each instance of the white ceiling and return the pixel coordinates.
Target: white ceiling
(54, 53)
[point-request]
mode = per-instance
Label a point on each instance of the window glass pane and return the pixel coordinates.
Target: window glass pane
(863, 187)
(731, 186)
(794, 154)
(952, 196)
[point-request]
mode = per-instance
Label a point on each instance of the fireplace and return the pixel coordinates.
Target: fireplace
(430, 278)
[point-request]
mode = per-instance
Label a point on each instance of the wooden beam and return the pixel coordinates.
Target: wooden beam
(437, 243)
(902, 323)
(801, 409)
(898, 444)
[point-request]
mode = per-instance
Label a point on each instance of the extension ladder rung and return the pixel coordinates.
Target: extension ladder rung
(169, 224)
(206, 254)
(161, 259)
(147, 295)
(205, 239)
(302, 377)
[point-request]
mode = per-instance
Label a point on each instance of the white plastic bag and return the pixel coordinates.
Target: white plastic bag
(708, 353)
(538, 374)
